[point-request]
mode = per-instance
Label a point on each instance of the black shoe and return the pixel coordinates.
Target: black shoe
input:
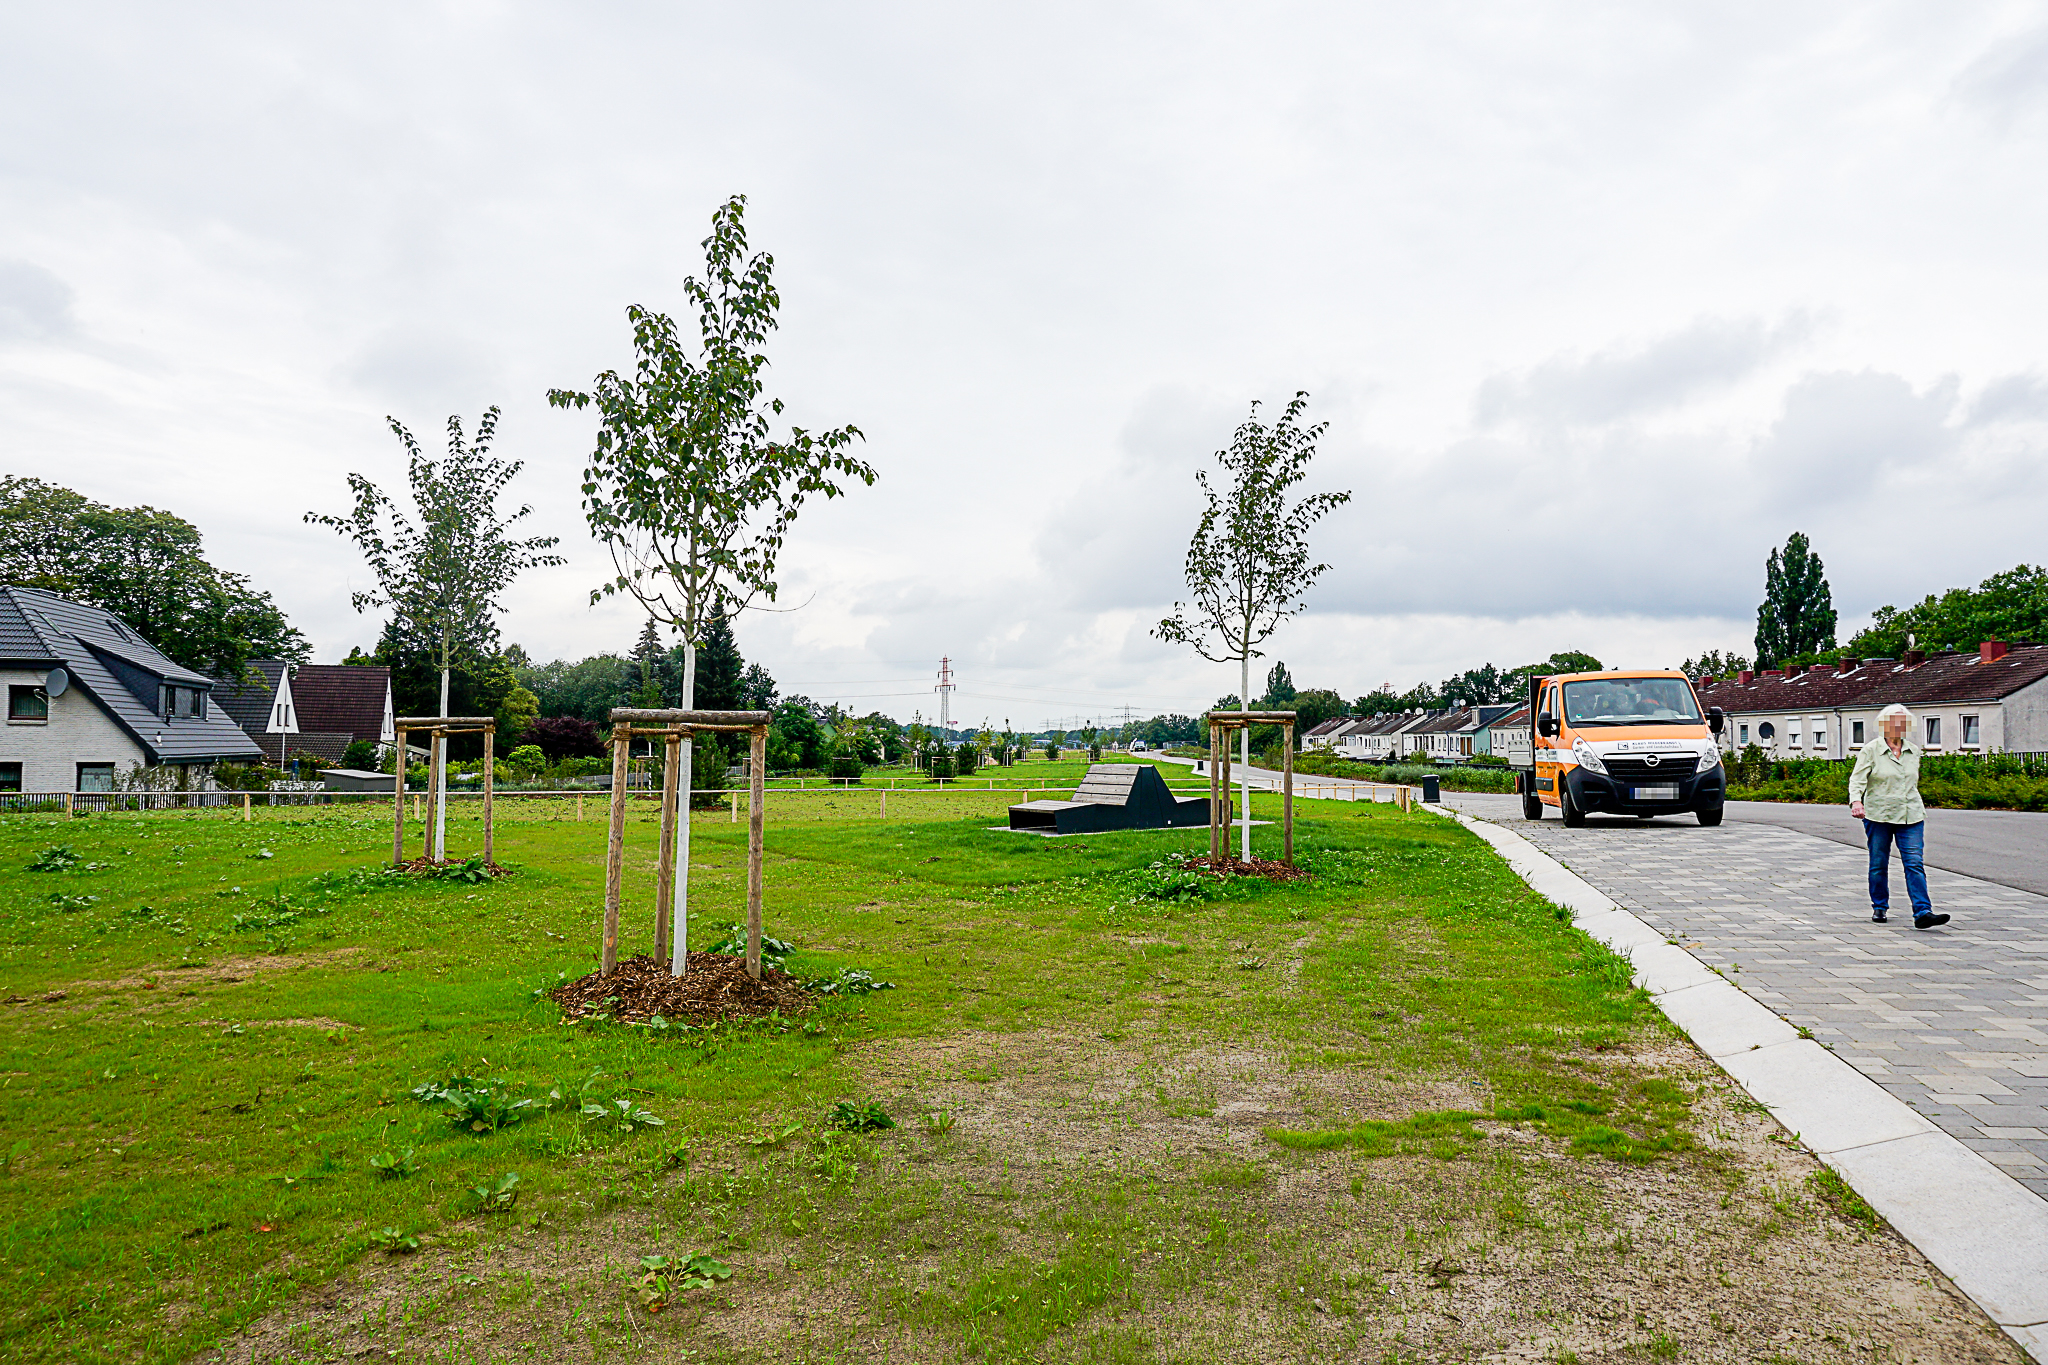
(1929, 921)
(1877, 917)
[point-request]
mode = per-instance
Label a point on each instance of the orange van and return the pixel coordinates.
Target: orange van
(1622, 743)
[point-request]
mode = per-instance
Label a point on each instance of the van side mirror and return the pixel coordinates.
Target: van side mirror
(1546, 725)
(1717, 719)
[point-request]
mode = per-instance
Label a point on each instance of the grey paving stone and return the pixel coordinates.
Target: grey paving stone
(1953, 1021)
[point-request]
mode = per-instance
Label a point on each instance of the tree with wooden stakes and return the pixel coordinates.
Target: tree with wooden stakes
(442, 570)
(688, 488)
(1248, 566)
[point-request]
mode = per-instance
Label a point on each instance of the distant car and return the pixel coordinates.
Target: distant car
(1138, 746)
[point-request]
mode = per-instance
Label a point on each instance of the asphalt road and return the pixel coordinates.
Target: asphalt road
(2009, 847)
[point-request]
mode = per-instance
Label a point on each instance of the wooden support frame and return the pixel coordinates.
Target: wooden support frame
(437, 729)
(674, 726)
(1220, 724)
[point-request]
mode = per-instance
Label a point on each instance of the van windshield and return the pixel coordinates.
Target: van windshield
(1630, 701)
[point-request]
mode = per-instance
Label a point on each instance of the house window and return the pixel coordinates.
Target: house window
(1970, 730)
(95, 777)
(27, 705)
(1933, 731)
(10, 777)
(1743, 732)
(1766, 732)
(1855, 732)
(1820, 738)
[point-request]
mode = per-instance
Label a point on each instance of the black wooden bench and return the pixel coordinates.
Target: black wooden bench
(1113, 796)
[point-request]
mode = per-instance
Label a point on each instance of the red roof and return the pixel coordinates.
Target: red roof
(1942, 679)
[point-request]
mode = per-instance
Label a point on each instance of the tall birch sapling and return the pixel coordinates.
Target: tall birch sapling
(442, 576)
(1248, 566)
(686, 487)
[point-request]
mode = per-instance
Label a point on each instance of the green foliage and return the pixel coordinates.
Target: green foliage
(399, 1167)
(498, 1198)
(1248, 566)
(478, 1106)
(849, 981)
(2010, 606)
(1952, 781)
(56, 858)
(732, 938)
(361, 755)
(846, 768)
(662, 1277)
(1797, 615)
(395, 1241)
(937, 1123)
(441, 577)
(624, 1113)
(867, 1117)
(146, 567)
(1465, 777)
(687, 487)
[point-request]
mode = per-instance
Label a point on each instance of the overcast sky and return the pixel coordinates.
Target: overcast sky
(1600, 302)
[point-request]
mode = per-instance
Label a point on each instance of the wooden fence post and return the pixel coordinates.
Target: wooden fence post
(1213, 815)
(757, 754)
(490, 764)
(245, 807)
(1229, 803)
(1287, 796)
(665, 862)
(614, 854)
(398, 806)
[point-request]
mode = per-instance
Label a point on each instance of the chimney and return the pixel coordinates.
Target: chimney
(1794, 670)
(1991, 651)
(1708, 682)
(1774, 674)
(1850, 663)
(1747, 676)
(1822, 668)
(1915, 657)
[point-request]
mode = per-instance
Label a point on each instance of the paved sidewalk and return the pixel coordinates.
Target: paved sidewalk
(1953, 1021)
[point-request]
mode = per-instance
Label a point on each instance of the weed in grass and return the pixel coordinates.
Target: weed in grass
(498, 1198)
(732, 938)
(850, 1117)
(848, 981)
(624, 1113)
(56, 858)
(1837, 1195)
(389, 1167)
(664, 1276)
(938, 1123)
(479, 1106)
(394, 1241)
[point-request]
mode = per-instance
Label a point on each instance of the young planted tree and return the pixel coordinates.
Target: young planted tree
(1797, 615)
(688, 488)
(1248, 566)
(441, 575)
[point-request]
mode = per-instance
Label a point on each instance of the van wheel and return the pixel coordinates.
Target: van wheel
(1710, 818)
(1532, 806)
(1568, 808)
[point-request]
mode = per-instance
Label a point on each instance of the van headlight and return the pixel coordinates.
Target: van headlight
(1709, 761)
(1588, 760)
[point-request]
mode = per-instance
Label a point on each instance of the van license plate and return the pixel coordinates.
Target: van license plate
(1669, 793)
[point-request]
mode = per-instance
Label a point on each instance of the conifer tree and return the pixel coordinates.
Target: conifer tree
(1797, 615)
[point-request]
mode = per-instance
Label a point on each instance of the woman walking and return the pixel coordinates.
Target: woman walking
(1884, 793)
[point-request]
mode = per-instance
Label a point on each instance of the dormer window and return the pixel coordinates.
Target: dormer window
(182, 703)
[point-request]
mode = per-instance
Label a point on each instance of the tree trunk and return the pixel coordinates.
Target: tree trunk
(1244, 753)
(440, 850)
(679, 890)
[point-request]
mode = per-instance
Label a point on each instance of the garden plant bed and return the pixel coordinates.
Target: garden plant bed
(1231, 866)
(714, 987)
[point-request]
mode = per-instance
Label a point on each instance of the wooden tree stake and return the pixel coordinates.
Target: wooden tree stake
(672, 762)
(615, 844)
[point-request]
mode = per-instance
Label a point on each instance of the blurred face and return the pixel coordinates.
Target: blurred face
(1895, 728)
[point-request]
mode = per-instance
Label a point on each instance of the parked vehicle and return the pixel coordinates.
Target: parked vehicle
(1619, 743)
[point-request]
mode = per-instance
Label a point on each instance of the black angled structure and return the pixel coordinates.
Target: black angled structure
(1113, 796)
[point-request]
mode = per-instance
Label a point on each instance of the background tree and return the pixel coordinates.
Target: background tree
(1248, 566)
(1797, 615)
(687, 488)
(1313, 707)
(442, 576)
(1481, 686)
(146, 567)
(1712, 663)
(2011, 606)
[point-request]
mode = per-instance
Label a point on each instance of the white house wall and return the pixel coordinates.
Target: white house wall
(77, 732)
(2025, 724)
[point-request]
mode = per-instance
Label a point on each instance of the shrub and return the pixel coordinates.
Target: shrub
(361, 755)
(526, 761)
(940, 766)
(1052, 750)
(561, 737)
(966, 759)
(847, 768)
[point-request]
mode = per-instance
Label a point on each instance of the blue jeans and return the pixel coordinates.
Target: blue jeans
(1910, 839)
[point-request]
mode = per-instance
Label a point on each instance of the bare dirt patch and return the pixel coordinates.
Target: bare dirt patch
(1134, 1185)
(714, 986)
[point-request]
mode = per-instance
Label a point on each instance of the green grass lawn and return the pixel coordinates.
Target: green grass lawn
(214, 1026)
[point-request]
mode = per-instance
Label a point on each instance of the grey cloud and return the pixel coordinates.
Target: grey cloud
(1839, 433)
(428, 372)
(35, 305)
(2008, 79)
(2011, 398)
(1707, 356)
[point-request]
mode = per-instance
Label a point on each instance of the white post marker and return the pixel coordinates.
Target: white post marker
(1244, 750)
(679, 889)
(439, 853)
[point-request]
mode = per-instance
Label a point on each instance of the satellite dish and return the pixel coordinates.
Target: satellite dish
(56, 681)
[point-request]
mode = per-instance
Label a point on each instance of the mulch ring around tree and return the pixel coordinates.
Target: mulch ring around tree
(426, 867)
(1238, 867)
(714, 986)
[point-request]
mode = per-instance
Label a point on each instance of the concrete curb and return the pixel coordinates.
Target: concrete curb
(1983, 1229)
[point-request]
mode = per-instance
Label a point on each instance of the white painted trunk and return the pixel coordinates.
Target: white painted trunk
(679, 890)
(439, 852)
(1244, 751)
